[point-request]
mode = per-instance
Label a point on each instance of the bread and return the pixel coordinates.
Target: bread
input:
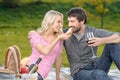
(70, 31)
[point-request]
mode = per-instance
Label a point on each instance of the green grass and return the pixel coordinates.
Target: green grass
(14, 36)
(15, 23)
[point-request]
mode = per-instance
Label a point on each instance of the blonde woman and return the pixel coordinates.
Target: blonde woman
(47, 43)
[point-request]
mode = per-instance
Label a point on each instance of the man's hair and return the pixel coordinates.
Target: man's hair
(79, 13)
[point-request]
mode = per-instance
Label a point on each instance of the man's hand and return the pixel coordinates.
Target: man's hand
(95, 41)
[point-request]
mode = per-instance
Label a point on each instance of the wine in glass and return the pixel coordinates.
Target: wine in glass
(87, 36)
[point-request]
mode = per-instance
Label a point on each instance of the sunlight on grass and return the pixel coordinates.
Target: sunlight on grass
(26, 1)
(49, 1)
(54, 1)
(16, 22)
(14, 36)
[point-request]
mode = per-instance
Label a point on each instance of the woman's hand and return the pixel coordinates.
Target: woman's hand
(70, 31)
(64, 36)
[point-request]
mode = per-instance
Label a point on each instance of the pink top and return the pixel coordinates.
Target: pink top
(45, 65)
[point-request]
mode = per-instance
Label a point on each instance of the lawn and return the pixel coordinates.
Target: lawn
(15, 23)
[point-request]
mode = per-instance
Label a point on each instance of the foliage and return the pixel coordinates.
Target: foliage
(15, 23)
(99, 7)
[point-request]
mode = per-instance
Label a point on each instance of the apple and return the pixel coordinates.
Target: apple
(24, 69)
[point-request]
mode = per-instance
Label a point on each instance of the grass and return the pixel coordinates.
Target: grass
(14, 36)
(15, 23)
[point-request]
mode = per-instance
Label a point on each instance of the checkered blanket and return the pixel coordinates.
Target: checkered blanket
(65, 74)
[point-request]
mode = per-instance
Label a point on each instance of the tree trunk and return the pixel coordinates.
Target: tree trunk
(102, 20)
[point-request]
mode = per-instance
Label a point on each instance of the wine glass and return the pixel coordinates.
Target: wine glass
(87, 36)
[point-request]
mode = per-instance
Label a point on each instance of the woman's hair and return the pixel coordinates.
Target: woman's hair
(79, 13)
(48, 20)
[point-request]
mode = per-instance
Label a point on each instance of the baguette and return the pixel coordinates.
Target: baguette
(70, 31)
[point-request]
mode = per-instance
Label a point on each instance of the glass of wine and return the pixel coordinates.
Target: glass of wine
(87, 36)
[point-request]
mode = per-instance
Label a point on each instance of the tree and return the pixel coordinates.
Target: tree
(99, 6)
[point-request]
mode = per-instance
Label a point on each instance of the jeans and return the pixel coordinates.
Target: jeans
(39, 77)
(99, 70)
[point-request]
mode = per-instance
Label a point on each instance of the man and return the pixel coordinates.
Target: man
(79, 51)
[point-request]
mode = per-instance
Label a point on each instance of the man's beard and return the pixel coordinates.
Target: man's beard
(77, 30)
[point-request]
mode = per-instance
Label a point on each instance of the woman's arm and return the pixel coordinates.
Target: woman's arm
(46, 49)
(58, 65)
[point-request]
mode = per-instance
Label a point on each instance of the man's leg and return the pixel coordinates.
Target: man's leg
(91, 75)
(85, 73)
(111, 53)
(82, 75)
(115, 54)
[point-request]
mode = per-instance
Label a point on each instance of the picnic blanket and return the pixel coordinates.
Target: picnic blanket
(65, 74)
(115, 74)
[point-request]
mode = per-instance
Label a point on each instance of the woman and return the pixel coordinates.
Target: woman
(47, 43)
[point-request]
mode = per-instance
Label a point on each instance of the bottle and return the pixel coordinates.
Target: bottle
(33, 67)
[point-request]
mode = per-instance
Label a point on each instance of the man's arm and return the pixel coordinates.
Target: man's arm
(115, 38)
